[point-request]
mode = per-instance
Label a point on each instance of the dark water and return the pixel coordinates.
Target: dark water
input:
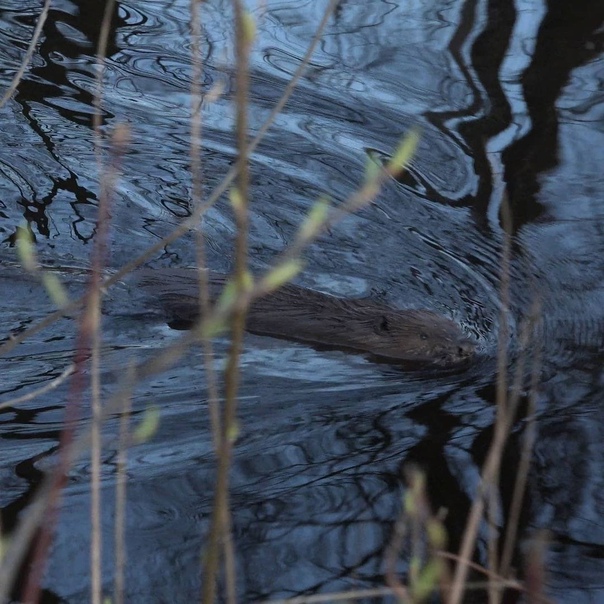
(507, 95)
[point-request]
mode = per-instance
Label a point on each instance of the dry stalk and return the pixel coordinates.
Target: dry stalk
(507, 405)
(28, 54)
(88, 339)
(220, 512)
(40, 391)
(366, 594)
(492, 540)
(525, 458)
(490, 470)
(535, 570)
(93, 317)
(108, 176)
(120, 496)
(489, 474)
(490, 575)
(391, 555)
(204, 299)
(425, 535)
(195, 151)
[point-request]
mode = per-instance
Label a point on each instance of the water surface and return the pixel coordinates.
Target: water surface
(508, 97)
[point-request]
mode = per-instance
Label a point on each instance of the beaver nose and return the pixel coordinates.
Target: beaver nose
(465, 349)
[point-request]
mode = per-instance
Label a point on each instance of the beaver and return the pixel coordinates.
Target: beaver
(296, 313)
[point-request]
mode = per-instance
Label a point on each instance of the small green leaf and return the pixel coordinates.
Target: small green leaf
(248, 281)
(4, 546)
(427, 581)
(315, 220)
(281, 274)
(55, 289)
(249, 28)
(236, 200)
(415, 566)
(148, 426)
(228, 294)
(230, 291)
(436, 534)
(26, 250)
(410, 505)
(403, 154)
(212, 328)
(372, 170)
(233, 431)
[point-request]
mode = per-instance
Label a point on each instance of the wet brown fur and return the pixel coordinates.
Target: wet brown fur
(300, 314)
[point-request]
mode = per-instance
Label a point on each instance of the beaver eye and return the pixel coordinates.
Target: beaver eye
(423, 336)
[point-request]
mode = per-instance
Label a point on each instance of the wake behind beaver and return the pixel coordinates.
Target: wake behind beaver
(304, 315)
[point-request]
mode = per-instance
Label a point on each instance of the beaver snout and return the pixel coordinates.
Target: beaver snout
(466, 349)
(458, 352)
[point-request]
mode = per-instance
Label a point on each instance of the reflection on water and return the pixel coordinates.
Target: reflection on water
(507, 96)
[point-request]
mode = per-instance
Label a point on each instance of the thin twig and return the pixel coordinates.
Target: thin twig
(491, 465)
(391, 554)
(359, 594)
(220, 509)
(94, 318)
(494, 590)
(13, 402)
(88, 327)
(120, 497)
(28, 54)
(525, 458)
(107, 184)
(197, 179)
(488, 573)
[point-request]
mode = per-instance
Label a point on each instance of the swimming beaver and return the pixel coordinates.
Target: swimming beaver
(297, 313)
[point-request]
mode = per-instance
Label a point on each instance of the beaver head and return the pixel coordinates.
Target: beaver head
(418, 335)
